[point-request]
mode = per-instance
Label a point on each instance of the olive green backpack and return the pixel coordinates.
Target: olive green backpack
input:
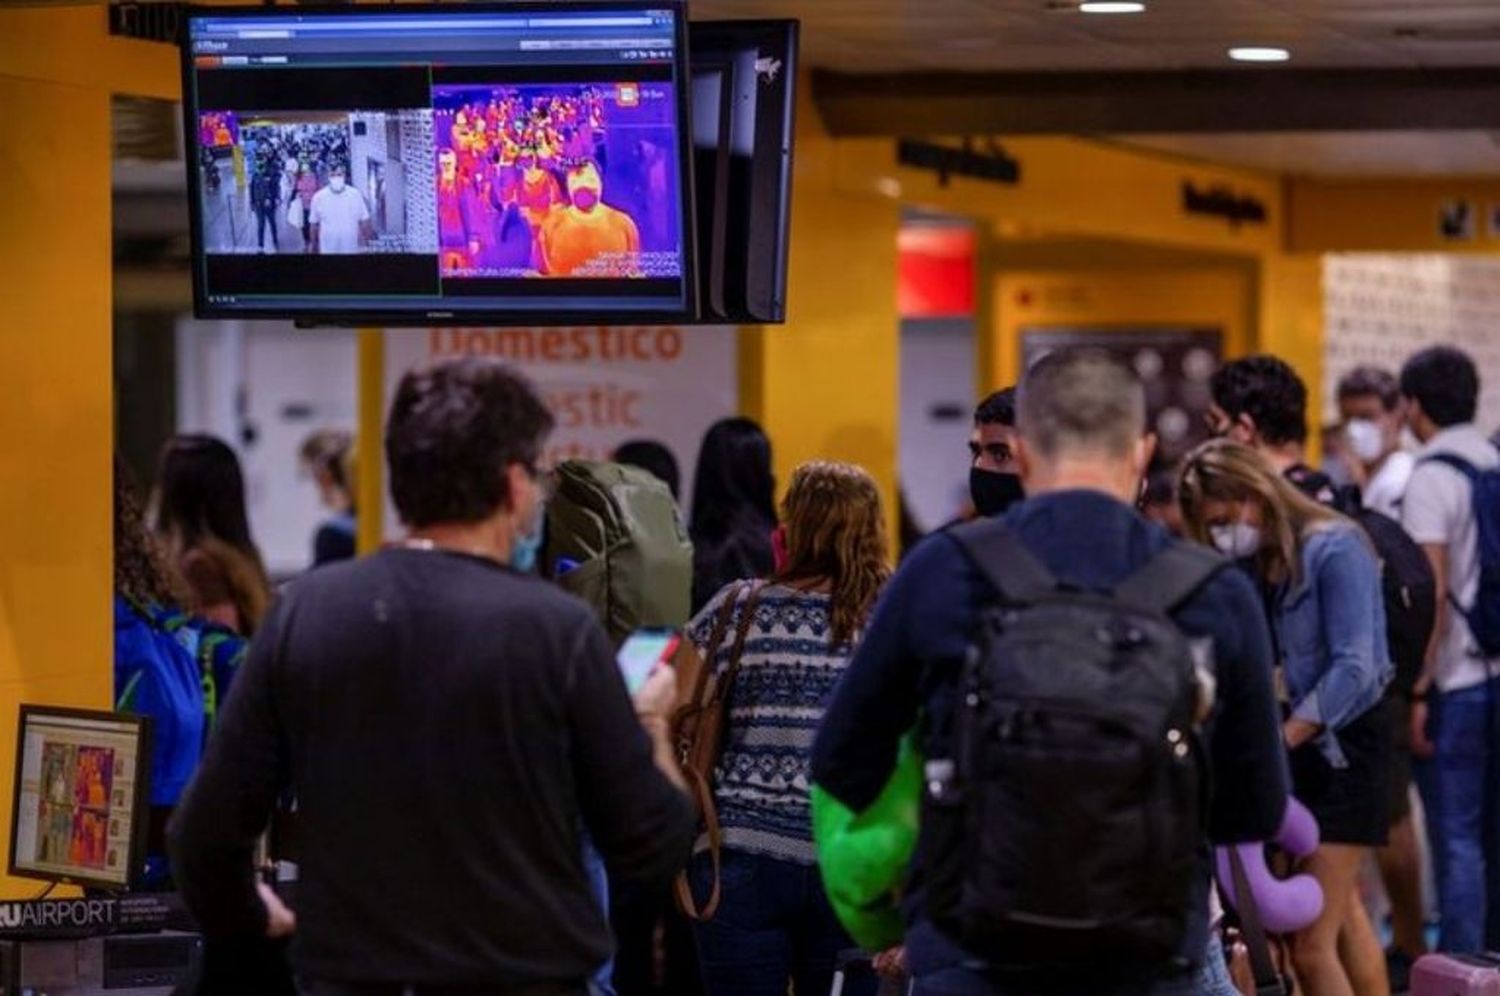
(616, 540)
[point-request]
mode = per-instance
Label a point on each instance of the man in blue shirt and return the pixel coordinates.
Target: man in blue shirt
(1081, 451)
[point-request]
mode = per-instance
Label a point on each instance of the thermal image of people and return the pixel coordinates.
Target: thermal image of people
(88, 846)
(456, 238)
(92, 780)
(588, 237)
(539, 191)
(217, 130)
(555, 181)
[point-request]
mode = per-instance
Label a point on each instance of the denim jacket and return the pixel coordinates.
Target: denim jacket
(1331, 626)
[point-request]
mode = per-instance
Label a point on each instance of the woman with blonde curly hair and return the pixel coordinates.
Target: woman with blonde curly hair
(784, 643)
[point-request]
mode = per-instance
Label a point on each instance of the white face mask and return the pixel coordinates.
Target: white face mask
(1366, 439)
(1239, 540)
(337, 184)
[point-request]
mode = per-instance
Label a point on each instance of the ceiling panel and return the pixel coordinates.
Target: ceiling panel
(989, 35)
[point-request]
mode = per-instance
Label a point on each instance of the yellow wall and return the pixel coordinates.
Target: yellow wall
(1081, 189)
(1353, 215)
(825, 384)
(1075, 186)
(72, 46)
(1203, 298)
(1292, 315)
(56, 69)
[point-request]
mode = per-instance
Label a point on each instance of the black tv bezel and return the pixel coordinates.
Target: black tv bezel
(714, 196)
(141, 813)
(771, 128)
(355, 317)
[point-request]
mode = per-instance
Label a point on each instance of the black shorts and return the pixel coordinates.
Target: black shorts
(1398, 715)
(1352, 803)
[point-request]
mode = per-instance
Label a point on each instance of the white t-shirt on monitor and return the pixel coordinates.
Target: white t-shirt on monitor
(1438, 509)
(338, 217)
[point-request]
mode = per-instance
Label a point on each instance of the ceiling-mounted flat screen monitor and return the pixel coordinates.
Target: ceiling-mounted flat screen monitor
(80, 796)
(516, 164)
(744, 96)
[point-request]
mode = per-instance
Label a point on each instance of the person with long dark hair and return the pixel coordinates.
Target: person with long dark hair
(154, 674)
(167, 665)
(200, 518)
(734, 508)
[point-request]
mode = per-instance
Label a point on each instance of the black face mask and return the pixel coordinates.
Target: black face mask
(994, 493)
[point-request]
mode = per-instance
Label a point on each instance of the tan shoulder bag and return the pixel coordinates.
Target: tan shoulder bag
(699, 725)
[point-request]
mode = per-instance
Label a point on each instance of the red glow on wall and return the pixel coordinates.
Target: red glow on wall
(936, 271)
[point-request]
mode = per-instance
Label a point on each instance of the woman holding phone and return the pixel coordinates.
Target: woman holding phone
(774, 924)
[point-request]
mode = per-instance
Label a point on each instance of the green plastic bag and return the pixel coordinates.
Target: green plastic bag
(864, 857)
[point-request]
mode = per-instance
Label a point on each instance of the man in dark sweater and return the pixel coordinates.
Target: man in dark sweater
(1082, 451)
(450, 727)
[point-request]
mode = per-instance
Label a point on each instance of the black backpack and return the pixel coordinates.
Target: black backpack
(1065, 831)
(1410, 595)
(1407, 585)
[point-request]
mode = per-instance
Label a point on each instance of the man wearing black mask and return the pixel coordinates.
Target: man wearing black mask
(994, 484)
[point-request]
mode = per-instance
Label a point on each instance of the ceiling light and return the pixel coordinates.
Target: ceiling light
(1259, 53)
(1111, 7)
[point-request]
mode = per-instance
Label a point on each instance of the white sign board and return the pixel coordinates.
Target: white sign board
(604, 385)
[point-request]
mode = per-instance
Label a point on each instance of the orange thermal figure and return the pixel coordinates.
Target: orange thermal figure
(589, 235)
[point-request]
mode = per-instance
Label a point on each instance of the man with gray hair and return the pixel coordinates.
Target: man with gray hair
(1370, 406)
(1075, 546)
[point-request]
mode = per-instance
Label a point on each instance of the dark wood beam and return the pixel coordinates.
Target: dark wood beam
(1097, 103)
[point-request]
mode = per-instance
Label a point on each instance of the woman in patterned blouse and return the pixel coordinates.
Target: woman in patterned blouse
(774, 925)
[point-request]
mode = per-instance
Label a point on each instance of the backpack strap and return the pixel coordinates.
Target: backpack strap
(1456, 462)
(1006, 563)
(1473, 474)
(1171, 577)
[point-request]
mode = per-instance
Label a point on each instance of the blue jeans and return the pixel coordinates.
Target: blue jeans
(1211, 979)
(1461, 791)
(774, 924)
(603, 982)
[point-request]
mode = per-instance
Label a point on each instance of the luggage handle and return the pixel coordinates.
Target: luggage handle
(1268, 981)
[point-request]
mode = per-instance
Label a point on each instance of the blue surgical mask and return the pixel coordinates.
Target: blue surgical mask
(524, 550)
(527, 545)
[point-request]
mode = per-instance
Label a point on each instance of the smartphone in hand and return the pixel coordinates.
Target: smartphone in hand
(643, 652)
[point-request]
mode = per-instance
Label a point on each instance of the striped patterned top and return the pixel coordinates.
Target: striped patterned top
(786, 678)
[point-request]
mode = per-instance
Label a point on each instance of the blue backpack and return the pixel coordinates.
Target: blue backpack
(1483, 616)
(174, 669)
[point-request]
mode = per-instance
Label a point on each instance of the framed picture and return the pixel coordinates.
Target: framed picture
(1175, 365)
(1457, 221)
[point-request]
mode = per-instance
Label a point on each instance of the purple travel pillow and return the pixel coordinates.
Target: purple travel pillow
(1286, 905)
